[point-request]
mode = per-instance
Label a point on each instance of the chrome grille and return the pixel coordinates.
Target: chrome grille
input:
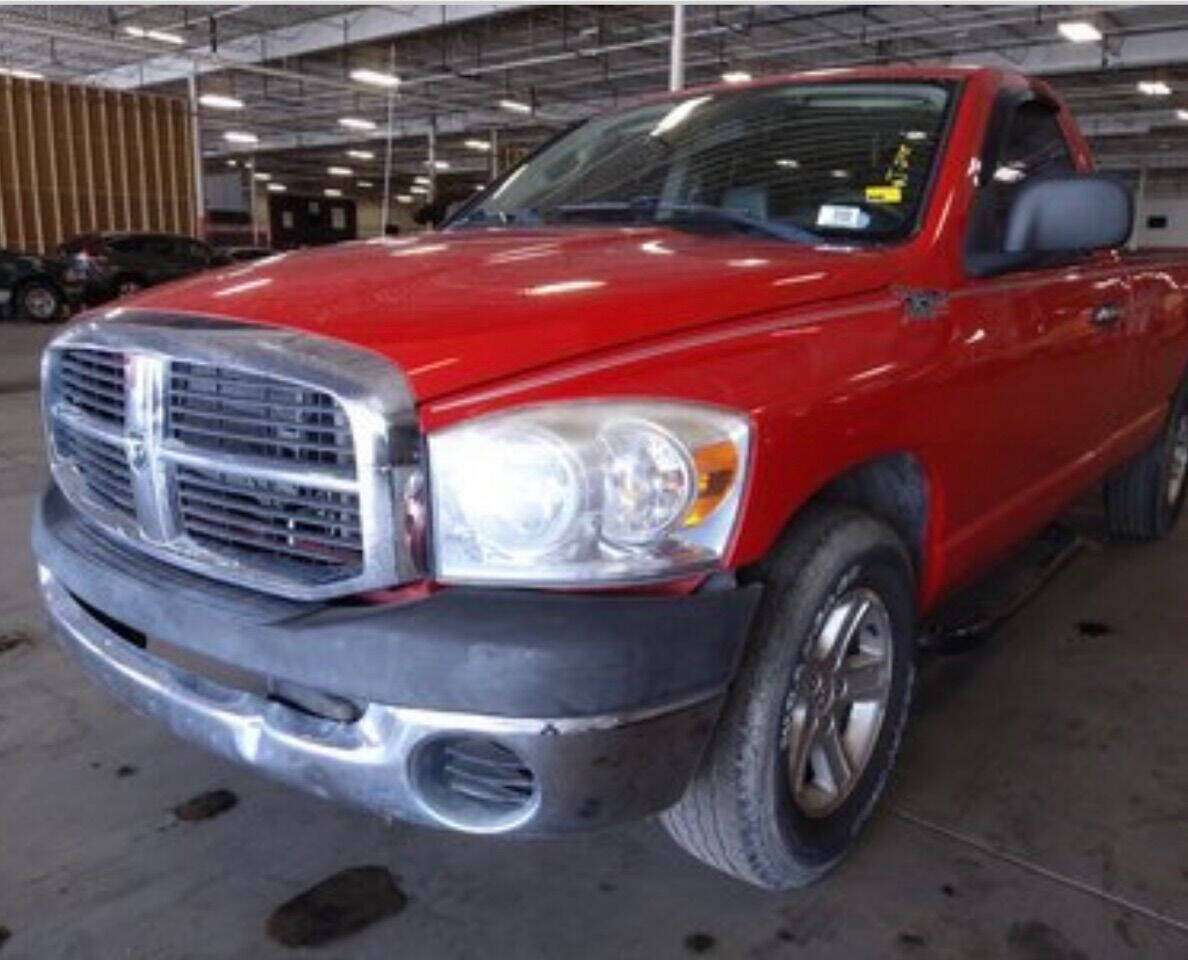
(103, 467)
(216, 408)
(301, 526)
(92, 381)
(258, 456)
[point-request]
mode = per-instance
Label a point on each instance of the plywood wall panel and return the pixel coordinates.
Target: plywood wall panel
(77, 159)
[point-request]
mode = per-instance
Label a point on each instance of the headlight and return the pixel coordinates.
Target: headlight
(591, 492)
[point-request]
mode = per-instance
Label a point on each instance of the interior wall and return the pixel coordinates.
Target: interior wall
(77, 159)
(1175, 234)
(367, 212)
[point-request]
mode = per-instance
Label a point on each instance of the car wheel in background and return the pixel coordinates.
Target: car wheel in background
(38, 301)
(812, 724)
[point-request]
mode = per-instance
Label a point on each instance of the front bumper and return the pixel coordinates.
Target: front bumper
(604, 704)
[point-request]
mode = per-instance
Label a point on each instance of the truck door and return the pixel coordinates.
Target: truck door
(1044, 346)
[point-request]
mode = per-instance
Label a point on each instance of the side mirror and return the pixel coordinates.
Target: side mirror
(1063, 214)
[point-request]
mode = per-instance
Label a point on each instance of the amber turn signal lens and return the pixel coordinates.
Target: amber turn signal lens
(716, 465)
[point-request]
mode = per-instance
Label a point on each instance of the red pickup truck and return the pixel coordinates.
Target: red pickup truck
(625, 492)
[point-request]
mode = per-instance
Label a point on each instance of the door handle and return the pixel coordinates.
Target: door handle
(1106, 315)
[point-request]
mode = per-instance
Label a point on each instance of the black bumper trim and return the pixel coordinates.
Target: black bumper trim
(514, 653)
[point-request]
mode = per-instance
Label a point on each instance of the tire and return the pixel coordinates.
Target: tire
(38, 301)
(1144, 499)
(740, 813)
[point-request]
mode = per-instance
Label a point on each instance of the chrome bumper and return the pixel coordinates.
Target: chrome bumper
(586, 771)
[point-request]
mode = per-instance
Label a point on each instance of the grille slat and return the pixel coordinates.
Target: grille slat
(231, 411)
(313, 499)
(93, 381)
(103, 467)
(294, 529)
(205, 501)
(193, 413)
(260, 516)
(188, 433)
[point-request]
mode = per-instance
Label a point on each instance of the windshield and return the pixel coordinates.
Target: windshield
(795, 161)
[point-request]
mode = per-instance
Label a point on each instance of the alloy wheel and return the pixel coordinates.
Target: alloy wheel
(838, 700)
(40, 303)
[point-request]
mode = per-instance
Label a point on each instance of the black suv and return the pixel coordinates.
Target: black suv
(38, 288)
(117, 264)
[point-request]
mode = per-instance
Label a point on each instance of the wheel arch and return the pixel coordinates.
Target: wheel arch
(898, 489)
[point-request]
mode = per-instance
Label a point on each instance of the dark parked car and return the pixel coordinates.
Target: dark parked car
(226, 255)
(117, 264)
(38, 288)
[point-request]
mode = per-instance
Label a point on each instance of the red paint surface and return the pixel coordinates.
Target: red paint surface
(1011, 401)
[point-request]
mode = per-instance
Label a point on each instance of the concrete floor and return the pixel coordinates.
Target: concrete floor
(1039, 811)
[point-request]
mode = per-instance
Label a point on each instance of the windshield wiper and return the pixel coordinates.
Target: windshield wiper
(527, 217)
(664, 212)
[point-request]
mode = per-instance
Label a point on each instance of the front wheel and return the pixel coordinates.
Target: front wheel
(812, 724)
(39, 301)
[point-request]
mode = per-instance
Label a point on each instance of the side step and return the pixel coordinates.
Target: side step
(969, 616)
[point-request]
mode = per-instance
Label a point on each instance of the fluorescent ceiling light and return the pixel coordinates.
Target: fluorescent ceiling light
(915, 135)
(788, 164)
(277, 188)
(404, 198)
(438, 164)
(365, 184)
(1182, 114)
(515, 106)
(21, 74)
(1079, 31)
(220, 101)
(340, 171)
(481, 145)
(262, 176)
(361, 154)
(376, 78)
(840, 174)
(159, 35)
(356, 123)
(736, 76)
(417, 188)
(238, 136)
(233, 163)
(332, 192)
(1153, 88)
(421, 179)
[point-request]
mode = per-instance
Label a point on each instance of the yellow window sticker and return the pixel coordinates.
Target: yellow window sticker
(883, 193)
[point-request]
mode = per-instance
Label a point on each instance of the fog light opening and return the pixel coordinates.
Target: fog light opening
(474, 784)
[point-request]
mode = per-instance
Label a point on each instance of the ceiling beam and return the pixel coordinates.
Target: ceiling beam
(312, 36)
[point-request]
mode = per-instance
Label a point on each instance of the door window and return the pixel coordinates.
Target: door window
(1033, 145)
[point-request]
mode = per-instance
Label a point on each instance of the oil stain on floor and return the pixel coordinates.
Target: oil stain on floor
(340, 905)
(206, 805)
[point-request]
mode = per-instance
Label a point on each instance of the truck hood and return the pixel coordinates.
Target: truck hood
(456, 310)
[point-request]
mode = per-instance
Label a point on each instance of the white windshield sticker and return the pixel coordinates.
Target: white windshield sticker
(837, 215)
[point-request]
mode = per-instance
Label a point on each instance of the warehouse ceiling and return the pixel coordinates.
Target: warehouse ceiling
(295, 69)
